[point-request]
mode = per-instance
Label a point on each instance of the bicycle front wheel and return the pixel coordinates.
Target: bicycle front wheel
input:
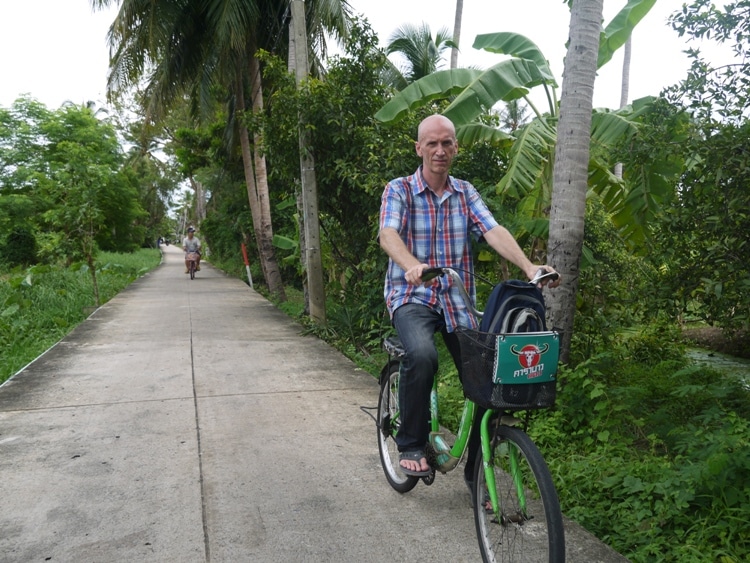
(388, 423)
(192, 270)
(528, 526)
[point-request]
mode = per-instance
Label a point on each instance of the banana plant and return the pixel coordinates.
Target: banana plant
(529, 176)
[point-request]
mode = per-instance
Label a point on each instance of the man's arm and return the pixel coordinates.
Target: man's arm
(500, 239)
(394, 247)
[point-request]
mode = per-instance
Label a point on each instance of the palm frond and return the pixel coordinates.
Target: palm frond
(439, 85)
(482, 133)
(530, 159)
(516, 45)
(508, 80)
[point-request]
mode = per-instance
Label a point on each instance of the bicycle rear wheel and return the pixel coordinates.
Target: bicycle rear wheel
(388, 423)
(528, 526)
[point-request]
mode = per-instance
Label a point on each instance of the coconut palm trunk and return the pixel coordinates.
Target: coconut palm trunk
(457, 32)
(256, 180)
(625, 88)
(570, 182)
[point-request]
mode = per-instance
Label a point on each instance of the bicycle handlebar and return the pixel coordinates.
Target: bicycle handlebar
(431, 273)
(544, 275)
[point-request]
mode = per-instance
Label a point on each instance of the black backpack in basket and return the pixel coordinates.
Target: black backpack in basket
(514, 306)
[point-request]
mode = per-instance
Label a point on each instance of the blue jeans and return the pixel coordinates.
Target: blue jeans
(416, 326)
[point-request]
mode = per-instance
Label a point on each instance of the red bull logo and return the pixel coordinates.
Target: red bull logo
(530, 359)
(526, 357)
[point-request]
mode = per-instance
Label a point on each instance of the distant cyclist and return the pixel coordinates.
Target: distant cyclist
(191, 243)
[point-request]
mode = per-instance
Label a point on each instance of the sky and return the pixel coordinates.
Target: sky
(56, 50)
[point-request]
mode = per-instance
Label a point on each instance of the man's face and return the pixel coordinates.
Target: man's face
(190, 234)
(437, 146)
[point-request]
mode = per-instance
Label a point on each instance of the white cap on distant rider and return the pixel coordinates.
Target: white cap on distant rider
(191, 230)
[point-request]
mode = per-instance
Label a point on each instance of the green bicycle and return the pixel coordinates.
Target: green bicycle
(516, 508)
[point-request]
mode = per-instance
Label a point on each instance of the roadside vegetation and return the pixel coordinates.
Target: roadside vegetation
(649, 452)
(40, 304)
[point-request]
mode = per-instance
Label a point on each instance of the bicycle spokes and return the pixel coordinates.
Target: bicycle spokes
(519, 517)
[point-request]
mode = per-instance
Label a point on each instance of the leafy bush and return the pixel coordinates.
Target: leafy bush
(651, 453)
(20, 247)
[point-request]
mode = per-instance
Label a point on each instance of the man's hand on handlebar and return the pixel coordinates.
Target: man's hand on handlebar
(414, 275)
(545, 275)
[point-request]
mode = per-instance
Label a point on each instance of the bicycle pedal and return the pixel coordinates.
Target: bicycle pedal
(429, 479)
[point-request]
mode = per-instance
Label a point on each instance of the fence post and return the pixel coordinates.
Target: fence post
(247, 265)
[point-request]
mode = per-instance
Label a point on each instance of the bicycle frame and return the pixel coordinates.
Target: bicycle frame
(504, 516)
(447, 457)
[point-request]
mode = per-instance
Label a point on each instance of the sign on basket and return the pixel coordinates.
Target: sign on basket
(528, 357)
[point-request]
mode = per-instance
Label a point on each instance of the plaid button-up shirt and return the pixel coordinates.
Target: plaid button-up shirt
(438, 231)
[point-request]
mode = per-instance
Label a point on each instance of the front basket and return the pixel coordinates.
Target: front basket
(509, 371)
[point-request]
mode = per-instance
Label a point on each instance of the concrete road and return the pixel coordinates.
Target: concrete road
(191, 421)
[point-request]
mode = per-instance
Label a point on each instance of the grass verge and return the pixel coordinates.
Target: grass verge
(41, 304)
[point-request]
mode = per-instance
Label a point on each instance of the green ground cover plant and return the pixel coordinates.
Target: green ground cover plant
(39, 305)
(649, 451)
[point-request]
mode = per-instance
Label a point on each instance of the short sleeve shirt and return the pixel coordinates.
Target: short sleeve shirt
(191, 245)
(438, 231)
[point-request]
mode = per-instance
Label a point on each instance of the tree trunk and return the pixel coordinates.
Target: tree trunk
(311, 225)
(625, 89)
(571, 164)
(457, 32)
(91, 262)
(200, 199)
(254, 166)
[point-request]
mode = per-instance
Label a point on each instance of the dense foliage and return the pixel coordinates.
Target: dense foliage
(719, 88)
(651, 453)
(66, 187)
(706, 266)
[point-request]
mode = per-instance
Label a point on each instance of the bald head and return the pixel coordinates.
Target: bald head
(437, 146)
(435, 124)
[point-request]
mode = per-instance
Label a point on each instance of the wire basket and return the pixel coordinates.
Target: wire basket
(478, 362)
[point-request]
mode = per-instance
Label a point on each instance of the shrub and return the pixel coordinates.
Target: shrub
(20, 247)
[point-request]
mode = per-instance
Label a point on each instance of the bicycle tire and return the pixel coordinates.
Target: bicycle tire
(517, 534)
(387, 421)
(192, 270)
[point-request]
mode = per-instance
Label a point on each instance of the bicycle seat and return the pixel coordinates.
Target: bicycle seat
(393, 346)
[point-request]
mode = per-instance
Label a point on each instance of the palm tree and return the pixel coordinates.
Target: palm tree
(194, 47)
(572, 163)
(513, 116)
(457, 32)
(422, 54)
(625, 88)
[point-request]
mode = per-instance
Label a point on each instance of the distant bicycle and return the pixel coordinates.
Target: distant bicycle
(192, 260)
(516, 508)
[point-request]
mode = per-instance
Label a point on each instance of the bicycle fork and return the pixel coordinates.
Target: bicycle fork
(487, 463)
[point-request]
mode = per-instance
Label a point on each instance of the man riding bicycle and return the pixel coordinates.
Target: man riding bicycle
(426, 220)
(191, 243)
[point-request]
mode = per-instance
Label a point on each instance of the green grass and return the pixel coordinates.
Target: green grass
(41, 304)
